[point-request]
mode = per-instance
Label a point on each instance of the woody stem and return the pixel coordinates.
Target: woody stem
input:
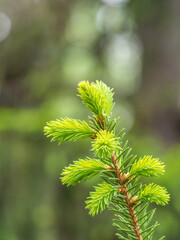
(128, 199)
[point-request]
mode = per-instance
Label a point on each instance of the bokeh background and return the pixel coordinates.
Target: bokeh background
(46, 48)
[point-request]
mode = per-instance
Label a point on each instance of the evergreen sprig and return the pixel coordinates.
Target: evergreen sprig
(67, 129)
(82, 170)
(154, 193)
(100, 198)
(121, 191)
(147, 166)
(97, 97)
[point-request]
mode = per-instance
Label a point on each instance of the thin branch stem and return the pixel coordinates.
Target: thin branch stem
(128, 200)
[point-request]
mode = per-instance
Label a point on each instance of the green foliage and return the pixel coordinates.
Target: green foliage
(81, 170)
(105, 144)
(121, 189)
(154, 193)
(97, 97)
(100, 198)
(147, 166)
(67, 129)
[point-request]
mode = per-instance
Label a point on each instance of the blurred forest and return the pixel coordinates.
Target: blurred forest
(46, 48)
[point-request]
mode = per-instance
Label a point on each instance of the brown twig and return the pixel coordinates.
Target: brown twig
(123, 190)
(122, 179)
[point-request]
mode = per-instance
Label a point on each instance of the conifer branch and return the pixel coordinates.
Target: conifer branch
(67, 129)
(121, 190)
(97, 97)
(128, 200)
(147, 166)
(81, 170)
(100, 198)
(154, 193)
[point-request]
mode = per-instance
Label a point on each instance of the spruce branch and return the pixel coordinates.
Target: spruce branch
(147, 166)
(97, 97)
(154, 193)
(67, 129)
(121, 191)
(81, 170)
(100, 198)
(128, 200)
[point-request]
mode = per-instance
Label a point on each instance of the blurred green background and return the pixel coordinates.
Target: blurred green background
(46, 48)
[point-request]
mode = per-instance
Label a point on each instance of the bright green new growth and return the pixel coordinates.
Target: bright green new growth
(97, 97)
(67, 129)
(147, 166)
(81, 170)
(121, 191)
(104, 144)
(100, 198)
(154, 193)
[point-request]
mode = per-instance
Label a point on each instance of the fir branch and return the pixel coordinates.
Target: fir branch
(154, 193)
(122, 189)
(147, 166)
(97, 97)
(100, 198)
(128, 201)
(82, 170)
(67, 129)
